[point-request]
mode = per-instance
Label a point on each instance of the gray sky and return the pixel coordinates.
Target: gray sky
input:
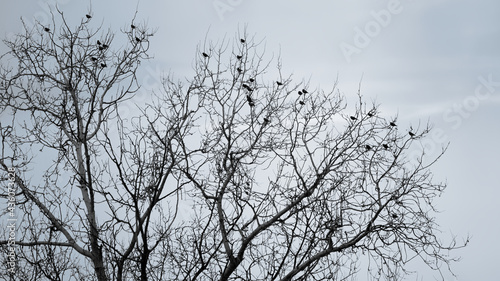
(423, 60)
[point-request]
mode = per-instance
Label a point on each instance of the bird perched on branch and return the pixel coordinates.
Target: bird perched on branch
(103, 64)
(250, 101)
(46, 29)
(251, 80)
(385, 146)
(353, 118)
(132, 26)
(392, 123)
(205, 55)
(370, 114)
(99, 43)
(247, 87)
(300, 93)
(368, 147)
(137, 39)
(239, 57)
(302, 102)
(88, 16)
(242, 40)
(304, 91)
(411, 134)
(239, 70)
(279, 83)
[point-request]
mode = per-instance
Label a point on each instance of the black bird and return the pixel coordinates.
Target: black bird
(279, 83)
(247, 87)
(242, 40)
(103, 64)
(98, 42)
(385, 146)
(239, 57)
(205, 54)
(304, 91)
(239, 70)
(251, 80)
(394, 216)
(88, 16)
(353, 118)
(368, 147)
(411, 134)
(392, 124)
(266, 120)
(105, 46)
(300, 93)
(101, 48)
(250, 101)
(46, 29)
(132, 26)
(137, 39)
(302, 102)
(370, 114)
(93, 58)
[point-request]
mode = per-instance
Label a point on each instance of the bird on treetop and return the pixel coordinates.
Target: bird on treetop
(46, 29)
(132, 26)
(368, 147)
(370, 114)
(392, 124)
(300, 93)
(103, 64)
(93, 58)
(242, 40)
(105, 46)
(239, 57)
(279, 83)
(411, 134)
(98, 42)
(205, 54)
(301, 102)
(266, 120)
(385, 146)
(251, 80)
(304, 91)
(137, 39)
(239, 70)
(88, 16)
(353, 118)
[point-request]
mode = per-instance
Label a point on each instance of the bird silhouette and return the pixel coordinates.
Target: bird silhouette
(300, 93)
(411, 134)
(93, 58)
(385, 146)
(239, 57)
(137, 39)
(266, 120)
(101, 48)
(46, 29)
(239, 70)
(302, 102)
(392, 124)
(105, 46)
(251, 80)
(394, 216)
(205, 54)
(99, 42)
(88, 16)
(103, 64)
(250, 101)
(370, 114)
(353, 118)
(304, 91)
(279, 83)
(247, 87)
(368, 147)
(132, 26)
(242, 40)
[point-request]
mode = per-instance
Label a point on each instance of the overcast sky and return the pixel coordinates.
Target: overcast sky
(423, 60)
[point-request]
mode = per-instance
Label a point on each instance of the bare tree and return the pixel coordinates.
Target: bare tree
(291, 184)
(284, 182)
(99, 178)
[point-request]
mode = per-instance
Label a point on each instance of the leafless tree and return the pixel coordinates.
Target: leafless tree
(281, 181)
(291, 184)
(94, 201)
